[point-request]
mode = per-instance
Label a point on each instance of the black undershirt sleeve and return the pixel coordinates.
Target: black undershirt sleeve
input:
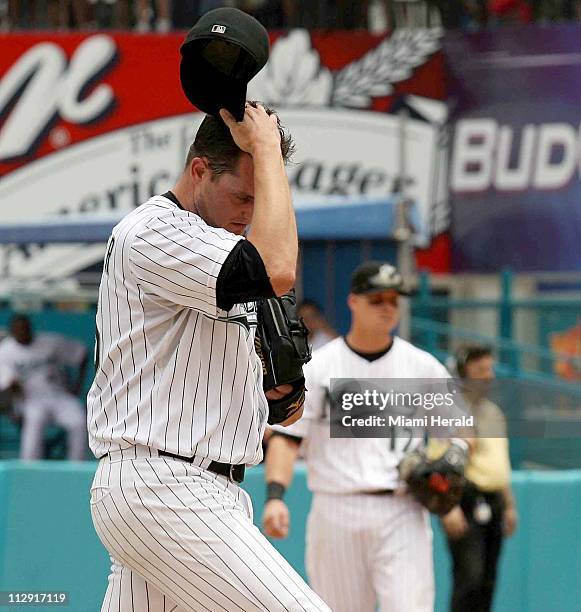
(242, 277)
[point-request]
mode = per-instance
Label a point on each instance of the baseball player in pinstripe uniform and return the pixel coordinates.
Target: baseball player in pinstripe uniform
(177, 408)
(366, 544)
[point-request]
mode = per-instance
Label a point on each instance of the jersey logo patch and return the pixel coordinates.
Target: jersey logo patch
(219, 28)
(246, 320)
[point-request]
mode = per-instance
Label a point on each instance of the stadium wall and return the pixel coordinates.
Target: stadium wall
(47, 541)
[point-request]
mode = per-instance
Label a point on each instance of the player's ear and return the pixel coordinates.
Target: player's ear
(351, 301)
(198, 167)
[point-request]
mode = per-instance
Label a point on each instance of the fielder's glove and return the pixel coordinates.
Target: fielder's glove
(281, 343)
(437, 485)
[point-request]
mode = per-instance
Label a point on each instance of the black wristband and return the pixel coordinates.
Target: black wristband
(275, 490)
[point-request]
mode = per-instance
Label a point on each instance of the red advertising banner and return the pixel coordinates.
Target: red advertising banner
(96, 123)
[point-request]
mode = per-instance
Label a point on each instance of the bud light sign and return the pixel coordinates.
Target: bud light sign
(515, 172)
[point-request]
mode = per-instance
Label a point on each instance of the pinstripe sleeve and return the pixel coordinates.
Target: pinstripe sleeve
(179, 260)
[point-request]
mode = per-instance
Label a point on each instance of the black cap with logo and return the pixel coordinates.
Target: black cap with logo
(376, 276)
(221, 54)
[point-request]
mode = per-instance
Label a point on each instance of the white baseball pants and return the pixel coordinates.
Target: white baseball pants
(365, 551)
(64, 410)
(181, 539)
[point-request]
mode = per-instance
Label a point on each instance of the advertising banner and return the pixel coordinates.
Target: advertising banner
(515, 173)
(94, 124)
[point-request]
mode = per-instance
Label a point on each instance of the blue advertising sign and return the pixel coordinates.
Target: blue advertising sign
(515, 172)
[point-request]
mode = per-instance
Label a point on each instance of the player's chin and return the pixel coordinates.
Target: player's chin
(388, 321)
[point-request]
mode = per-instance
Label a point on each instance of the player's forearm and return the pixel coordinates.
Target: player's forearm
(274, 231)
(281, 455)
(508, 497)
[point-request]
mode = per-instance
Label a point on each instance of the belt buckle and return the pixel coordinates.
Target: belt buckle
(231, 473)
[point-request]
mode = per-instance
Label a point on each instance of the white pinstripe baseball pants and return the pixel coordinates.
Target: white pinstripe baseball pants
(369, 550)
(181, 539)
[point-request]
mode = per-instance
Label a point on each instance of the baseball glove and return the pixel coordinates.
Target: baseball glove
(281, 343)
(437, 485)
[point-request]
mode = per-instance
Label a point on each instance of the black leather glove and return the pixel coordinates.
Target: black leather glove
(281, 343)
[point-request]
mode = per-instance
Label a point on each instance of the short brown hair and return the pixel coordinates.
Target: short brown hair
(214, 142)
(469, 353)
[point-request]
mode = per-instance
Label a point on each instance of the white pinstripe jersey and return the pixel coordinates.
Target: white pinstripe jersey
(355, 465)
(174, 371)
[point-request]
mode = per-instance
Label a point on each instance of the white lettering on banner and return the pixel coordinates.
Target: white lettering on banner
(349, 179)
(515, 178)
(53, 88)
(111, 173)
(348, 153)
(474, 149)
(114, 172)
(548, 174)
(547, 158)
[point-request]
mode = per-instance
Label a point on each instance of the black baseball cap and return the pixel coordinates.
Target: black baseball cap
(376, 276)
(220, 55)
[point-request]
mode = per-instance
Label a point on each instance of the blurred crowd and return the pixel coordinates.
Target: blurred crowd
(479, 14)
(375, 15)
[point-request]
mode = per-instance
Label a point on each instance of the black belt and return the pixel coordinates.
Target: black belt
(234, 472)
(375, 492)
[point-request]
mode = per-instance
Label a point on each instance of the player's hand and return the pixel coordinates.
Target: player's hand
(455, 523)
(257, 131)
(279, 392)
(509, 521)
(276, 519)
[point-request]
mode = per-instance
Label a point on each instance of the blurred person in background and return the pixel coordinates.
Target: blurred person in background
(49, 14)
(310, 14)
(33, 370)
(556, 10)
(19, 14)
(468, 14)
(487, 513)
(60, 14)
(114, 14)
(144, 14)
(276, 14)
(348, 15)
(510, 11)
(320, 332)
(184, 14)
(572, 9)
(30, 14)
